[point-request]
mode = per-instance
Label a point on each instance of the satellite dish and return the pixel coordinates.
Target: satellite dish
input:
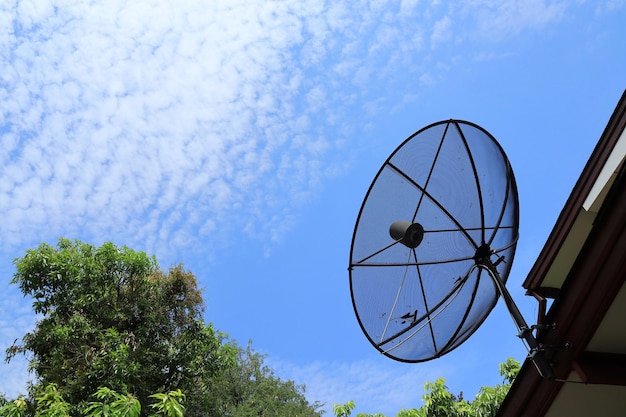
(434, 242)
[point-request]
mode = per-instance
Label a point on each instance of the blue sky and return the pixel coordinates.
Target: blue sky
(239, 138)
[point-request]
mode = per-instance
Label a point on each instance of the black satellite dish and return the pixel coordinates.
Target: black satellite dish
(434, 242)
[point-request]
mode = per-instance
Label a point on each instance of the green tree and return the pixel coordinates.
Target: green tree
(111, 318)
(509, 370)
(251, 389)
(488, 400)
(438, 401)
(343, 410)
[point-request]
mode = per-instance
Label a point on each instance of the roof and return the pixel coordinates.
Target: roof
(582, 267)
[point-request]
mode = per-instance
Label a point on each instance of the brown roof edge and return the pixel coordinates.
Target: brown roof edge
(599, 156)
(594, 281)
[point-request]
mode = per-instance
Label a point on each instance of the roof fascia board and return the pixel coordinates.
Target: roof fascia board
(594, 281)
(580, 192)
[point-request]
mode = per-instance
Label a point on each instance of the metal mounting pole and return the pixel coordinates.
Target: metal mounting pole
(536, 352)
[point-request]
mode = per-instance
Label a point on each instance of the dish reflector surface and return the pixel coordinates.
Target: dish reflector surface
(419, 297)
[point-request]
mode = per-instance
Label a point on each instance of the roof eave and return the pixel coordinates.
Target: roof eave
(571, 210)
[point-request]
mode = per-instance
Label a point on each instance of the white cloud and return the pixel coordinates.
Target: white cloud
(441, 32)
(407, 6)
(114, 110)
(119, 118)
(369, 383)
(609, 6)
(498, 19)
(377, 385)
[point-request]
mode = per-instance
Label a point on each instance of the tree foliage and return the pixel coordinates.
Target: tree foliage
(111, 318)
(119, 337)
(343, 410)
(440, 402)
(251, 389)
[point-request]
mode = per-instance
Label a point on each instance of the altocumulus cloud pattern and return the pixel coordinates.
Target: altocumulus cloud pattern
(153, 122)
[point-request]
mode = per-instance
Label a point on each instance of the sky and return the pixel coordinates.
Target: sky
(239, 138)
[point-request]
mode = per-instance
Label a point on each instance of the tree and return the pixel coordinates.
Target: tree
(439, 402)
(111, 318)
(343, 410)
(251, 389)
